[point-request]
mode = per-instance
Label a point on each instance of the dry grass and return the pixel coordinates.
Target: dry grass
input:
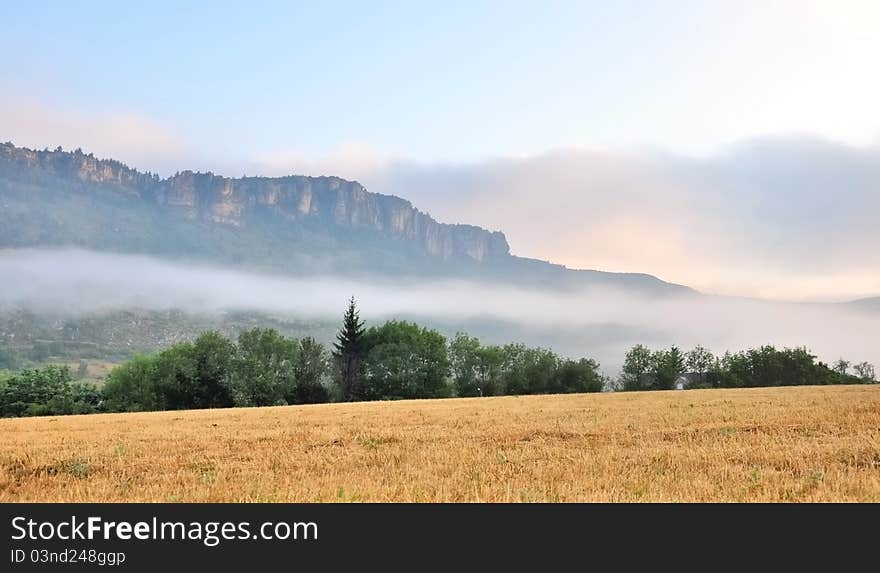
(786, 444)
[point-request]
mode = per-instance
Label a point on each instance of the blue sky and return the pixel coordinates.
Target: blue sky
(459, 105)
(453, 81)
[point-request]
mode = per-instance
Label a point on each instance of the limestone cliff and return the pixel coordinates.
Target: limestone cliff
(292, 225)
(330, 203)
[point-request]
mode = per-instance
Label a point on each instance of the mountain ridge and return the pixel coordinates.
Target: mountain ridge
(225, 200)
(295, 222)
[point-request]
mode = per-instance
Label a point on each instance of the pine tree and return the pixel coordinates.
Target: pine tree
(348, 352)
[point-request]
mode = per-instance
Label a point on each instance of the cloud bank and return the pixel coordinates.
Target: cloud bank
(600, 323)
(784, 218)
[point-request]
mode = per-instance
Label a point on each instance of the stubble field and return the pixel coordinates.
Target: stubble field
(781, 444)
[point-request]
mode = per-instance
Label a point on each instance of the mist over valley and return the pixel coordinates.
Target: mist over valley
(75, 286)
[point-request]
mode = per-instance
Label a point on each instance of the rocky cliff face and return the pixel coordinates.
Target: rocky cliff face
(331, 201)
(26, 163)
(326, 202)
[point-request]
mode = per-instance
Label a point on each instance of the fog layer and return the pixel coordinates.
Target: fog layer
(597, 323)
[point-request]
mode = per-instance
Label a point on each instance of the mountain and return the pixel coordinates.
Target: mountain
(866, 304)
(293, 224)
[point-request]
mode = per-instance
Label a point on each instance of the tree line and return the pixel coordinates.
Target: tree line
(395, 360)
(646, 369)
(48, 391)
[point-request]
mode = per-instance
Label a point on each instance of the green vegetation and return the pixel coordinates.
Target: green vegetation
(396, 360)
(480, 370)
(404, 360)
(47, 392)
(644, 369)
(263, 368)
(348, 356)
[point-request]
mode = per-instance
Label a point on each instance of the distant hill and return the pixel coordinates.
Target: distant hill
(294, 224)
(118, 335)
(867, 304)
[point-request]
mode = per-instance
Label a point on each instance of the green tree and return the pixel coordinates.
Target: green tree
(578, 376)
(210, 387)
(348, 354)
(841, 366)
(668, 365)
(47, 391)
(187, 375)
(263, 368)
(865, 372)
(699, 361)
(636, 365)
(131, 387)
(30, 392)
(406, 361)
(528, 370)
(464, 361)
(310, 369)
(171, 377)
(767, 366)
(489, 371)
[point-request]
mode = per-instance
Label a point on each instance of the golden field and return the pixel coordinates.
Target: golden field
(780, 444)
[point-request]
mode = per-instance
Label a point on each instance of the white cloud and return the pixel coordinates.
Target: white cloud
(792, 218)
(132, 137)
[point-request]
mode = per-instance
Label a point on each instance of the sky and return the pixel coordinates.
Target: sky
(679, 138)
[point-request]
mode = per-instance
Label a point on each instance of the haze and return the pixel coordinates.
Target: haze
(596, 323)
